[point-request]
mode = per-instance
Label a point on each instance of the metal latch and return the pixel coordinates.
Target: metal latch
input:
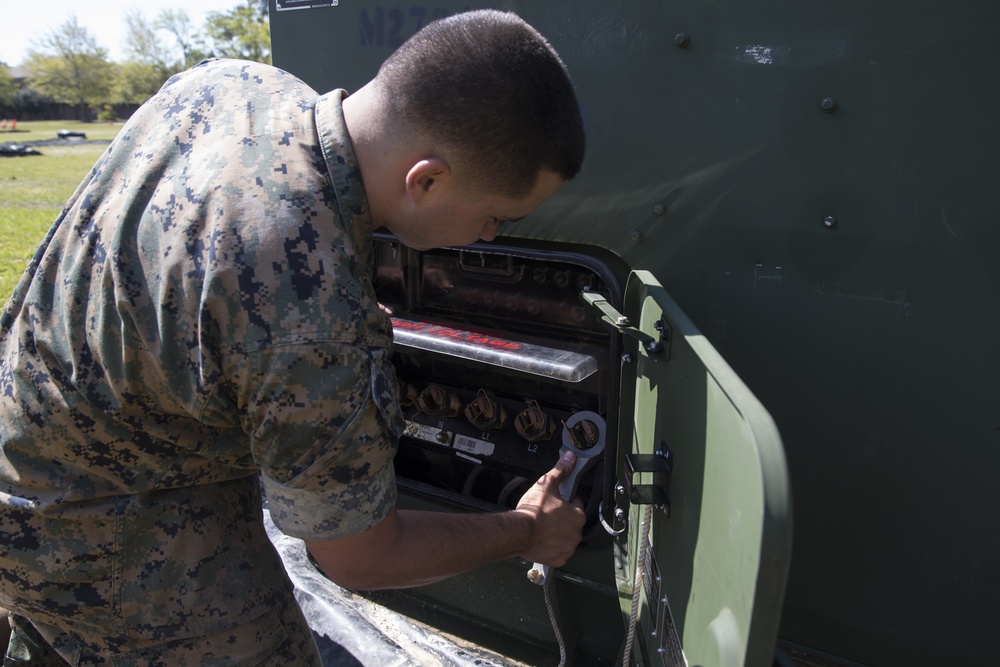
(621, 322)
(662, 462)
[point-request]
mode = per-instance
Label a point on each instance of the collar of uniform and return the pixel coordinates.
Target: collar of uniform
(343, 169)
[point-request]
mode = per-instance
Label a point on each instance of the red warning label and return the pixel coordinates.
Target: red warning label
(457, 335)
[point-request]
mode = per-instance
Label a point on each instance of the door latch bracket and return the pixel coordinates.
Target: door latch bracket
(652, 345)
(660, 463)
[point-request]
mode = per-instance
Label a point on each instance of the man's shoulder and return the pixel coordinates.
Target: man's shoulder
(235, 67)
(221, 76)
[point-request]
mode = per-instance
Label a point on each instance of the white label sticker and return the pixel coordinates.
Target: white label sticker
(285, 5)
(427, 433)
(474, 446)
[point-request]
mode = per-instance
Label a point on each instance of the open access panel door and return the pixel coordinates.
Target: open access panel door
(705, 489)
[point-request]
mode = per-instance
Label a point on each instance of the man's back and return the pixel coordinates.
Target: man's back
(201, 248)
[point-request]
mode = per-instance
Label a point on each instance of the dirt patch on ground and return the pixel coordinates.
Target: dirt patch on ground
(23, 148)
(64, 142)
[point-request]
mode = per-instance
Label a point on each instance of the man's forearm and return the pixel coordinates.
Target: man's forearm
(424, 547)
(459, 542)
(411, 548)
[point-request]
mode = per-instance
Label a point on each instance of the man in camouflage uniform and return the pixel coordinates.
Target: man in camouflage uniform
(200, 318)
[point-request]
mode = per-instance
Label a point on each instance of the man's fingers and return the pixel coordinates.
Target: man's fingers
(564, 465)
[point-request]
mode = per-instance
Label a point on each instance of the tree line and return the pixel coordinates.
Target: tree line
(68, 66)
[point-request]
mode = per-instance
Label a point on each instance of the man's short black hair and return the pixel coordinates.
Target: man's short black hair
(489, 87)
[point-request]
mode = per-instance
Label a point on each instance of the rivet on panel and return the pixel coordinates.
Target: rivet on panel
(682, 39)
(659, 209)
(830, 221)
(828, 104)
(636, 235)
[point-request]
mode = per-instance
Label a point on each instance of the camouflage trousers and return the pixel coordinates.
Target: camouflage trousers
(180, 577)
(279, 638)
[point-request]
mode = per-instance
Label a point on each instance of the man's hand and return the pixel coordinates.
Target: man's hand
(411, 547)
(557, 524)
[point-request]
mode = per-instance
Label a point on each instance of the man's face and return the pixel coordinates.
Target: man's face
(460, 216)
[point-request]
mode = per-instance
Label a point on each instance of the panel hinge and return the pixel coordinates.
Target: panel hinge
(660, 463)
(653, 345)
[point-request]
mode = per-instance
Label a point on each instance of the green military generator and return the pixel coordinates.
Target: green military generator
(780, 198)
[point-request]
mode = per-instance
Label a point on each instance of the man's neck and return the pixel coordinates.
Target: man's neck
(373, 149)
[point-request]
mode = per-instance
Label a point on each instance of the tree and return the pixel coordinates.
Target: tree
(146, 64)
(8, 89)
(142, 41)
(29, 102)
(178, 24)
(242, 32)
(137, 82)
(71, 68)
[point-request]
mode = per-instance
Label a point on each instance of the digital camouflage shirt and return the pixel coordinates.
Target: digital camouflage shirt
(198, 314)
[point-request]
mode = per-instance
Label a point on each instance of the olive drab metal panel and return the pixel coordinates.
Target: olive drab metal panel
(703, 477)
(814, 183)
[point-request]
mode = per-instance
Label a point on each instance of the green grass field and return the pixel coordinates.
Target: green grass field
(33, 189)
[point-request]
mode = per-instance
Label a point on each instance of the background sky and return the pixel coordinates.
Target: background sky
(24, 21)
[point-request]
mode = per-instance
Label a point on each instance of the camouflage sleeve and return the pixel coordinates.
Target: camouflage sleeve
(324, 425)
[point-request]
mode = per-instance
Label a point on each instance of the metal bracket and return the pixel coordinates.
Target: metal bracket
(663, 327)
(662, 462)
(621, 322)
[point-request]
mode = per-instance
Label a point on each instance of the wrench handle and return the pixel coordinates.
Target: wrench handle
(539, 572)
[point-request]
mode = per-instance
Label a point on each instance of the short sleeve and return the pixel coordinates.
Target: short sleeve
(324, 425)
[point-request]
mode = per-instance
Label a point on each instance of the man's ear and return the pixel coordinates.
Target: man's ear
(426, 178)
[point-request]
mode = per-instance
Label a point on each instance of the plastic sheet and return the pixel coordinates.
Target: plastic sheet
(352, 630)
